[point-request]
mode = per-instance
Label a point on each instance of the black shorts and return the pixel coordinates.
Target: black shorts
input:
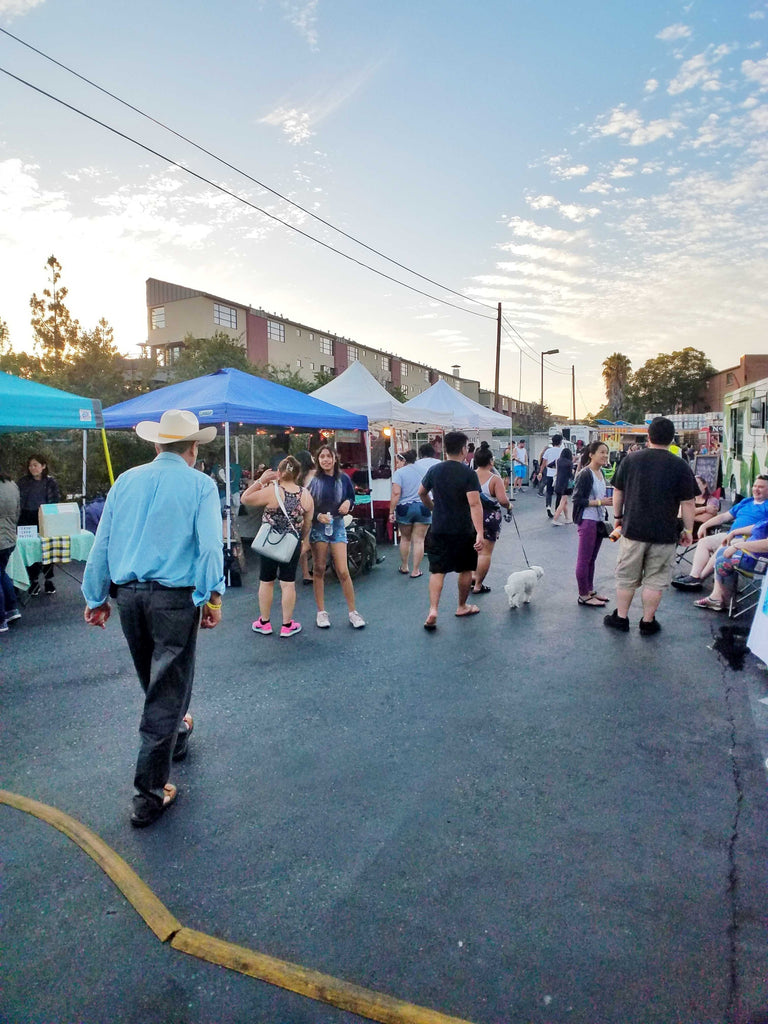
(270, 570)
(448, 552)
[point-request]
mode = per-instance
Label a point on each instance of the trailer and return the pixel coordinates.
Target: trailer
(744, 452)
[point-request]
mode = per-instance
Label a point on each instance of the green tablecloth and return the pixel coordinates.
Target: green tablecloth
(28, 550)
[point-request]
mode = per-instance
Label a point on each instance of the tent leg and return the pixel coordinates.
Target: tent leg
(85, 477)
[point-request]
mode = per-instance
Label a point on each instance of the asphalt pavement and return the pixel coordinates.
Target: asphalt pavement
(522, 817)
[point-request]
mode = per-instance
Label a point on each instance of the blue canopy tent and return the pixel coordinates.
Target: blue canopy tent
(231, 396)
(27, 405)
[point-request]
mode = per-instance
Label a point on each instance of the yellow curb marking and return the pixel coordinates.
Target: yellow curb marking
(305, 982)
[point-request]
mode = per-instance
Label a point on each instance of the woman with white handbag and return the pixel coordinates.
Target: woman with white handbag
(284, 534)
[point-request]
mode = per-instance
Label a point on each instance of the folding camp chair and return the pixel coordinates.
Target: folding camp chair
(749, 583)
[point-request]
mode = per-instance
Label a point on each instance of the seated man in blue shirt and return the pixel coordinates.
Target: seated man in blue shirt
(744, 515)
(159, 545)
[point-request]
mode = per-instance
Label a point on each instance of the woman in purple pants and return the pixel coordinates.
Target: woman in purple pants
(589, 497)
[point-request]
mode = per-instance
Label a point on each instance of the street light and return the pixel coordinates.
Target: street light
(549, 352)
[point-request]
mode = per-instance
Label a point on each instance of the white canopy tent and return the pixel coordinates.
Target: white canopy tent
(358, 391)
(456, 410)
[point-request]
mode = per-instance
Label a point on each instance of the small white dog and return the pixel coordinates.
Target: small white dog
(521, 585)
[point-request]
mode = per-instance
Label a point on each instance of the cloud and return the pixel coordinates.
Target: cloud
(298, 119)
(295, 124)
(541, 232)
(624, 168)
(571, 211)
(651, 85)
(695, 72)
(17, 8)
(566, 171)
(302, 14)
(672, 33)
(540, 252)
(756, 71)
(756, 15)
(631, 128)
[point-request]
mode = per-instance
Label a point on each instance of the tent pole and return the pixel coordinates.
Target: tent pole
(227, 498)
(370, 471)
(85, 477)
(252, 468)
(106, 456)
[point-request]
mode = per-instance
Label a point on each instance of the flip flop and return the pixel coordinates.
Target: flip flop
(472, 609)
(415, 575)
(709, 604)
(170, 792)
(592, 601)
(430, 626)
(483, 589)
(403, 571)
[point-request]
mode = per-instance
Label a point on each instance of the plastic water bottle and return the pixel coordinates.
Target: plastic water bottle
(329, 528)
(615, 533)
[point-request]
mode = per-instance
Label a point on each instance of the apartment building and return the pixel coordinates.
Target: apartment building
(174, 312)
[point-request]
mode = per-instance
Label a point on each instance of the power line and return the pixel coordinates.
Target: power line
(533, 355)
(239, 170)
(240, 199)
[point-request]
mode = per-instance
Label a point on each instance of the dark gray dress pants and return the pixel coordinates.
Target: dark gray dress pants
(161, 627)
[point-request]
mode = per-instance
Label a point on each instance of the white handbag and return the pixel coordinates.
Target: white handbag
(271, 543)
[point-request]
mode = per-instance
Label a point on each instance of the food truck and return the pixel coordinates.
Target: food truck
(744, 452)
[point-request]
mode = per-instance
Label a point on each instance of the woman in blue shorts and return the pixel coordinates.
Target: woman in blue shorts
(334, 496)
(405, 508)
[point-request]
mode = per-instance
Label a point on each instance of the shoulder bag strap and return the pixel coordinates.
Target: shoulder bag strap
(282, 506)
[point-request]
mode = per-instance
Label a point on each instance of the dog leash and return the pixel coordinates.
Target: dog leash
(511, 515)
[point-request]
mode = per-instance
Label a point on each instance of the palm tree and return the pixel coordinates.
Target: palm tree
(616, 373)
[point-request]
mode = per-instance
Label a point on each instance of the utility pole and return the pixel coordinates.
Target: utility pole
(498, 361)
(573, 390)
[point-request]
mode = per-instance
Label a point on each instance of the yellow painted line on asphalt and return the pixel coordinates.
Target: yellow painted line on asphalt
(320, 987)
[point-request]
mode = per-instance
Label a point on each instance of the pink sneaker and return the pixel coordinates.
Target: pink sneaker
(262, 627)
(290, 628)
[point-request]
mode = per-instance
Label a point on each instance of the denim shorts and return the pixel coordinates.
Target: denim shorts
(413, 512)
(317, 534)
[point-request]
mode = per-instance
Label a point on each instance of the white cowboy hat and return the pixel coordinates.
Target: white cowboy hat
(175, 425)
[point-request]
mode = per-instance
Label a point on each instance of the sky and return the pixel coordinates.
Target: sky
(599, 169)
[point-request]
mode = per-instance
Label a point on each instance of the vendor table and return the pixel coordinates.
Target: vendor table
(28, 550)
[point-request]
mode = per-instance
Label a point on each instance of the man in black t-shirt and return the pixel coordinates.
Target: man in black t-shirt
(456, 534)
(649, 488)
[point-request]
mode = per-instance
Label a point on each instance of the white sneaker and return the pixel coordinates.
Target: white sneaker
(323, 620)
(356, 620)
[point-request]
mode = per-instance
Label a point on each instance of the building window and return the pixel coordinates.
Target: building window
(457, 385)
(311, 365)
(158, 317)
(326, 347)
(169, 354)
(729, 377)
(311, 337)
(353, 353)
(386, 363)
(403, 370)
(404, 388)
(426, 375)
(298, 363)
(298, 332)
(224, 316)
(275, 331)
(325, 369)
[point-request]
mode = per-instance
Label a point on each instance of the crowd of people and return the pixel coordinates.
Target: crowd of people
(158, 548)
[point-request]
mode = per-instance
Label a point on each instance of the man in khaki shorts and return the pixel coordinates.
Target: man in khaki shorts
(649, 489)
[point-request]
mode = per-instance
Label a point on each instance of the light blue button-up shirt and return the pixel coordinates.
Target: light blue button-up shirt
(161, 522)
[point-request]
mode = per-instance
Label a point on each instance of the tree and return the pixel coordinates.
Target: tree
(55, 330)
(20, 364)
(207, 355)
(322, 377)
(539, 418)
(617, 372)
(671, 382)
(397, 392)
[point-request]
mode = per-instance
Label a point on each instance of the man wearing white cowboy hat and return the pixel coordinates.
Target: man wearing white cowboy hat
(158, 548)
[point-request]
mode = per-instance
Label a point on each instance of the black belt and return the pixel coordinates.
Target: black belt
(149, 585)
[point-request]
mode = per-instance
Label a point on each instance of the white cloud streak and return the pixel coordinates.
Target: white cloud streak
(672, 33)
